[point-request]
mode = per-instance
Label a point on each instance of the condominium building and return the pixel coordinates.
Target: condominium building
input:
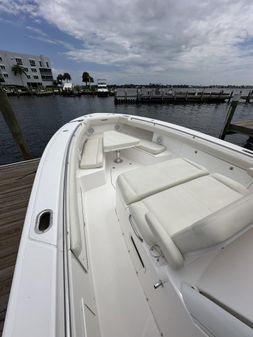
(37, 70)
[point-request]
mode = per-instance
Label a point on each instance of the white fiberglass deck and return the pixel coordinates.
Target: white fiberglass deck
(131, 219)
(121, 304)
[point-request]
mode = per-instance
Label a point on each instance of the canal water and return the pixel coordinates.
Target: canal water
(41, 117)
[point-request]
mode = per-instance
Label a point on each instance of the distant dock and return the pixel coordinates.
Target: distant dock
(168, 96)
(56, 92)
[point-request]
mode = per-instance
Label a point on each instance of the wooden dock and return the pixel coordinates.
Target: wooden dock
(247, 98)
(15, 187)
(244, 127)
(168, 96)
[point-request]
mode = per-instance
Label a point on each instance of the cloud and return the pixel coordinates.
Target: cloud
(200, 41)
(19, 6)
(44, 37)
(37, 31)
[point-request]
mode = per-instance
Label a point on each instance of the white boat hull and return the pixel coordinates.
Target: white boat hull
(93, 272)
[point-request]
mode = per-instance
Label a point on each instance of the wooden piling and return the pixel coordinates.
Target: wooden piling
(230, 114)
(230, 97)
(248, 97)
(201, 97)
(11, 121)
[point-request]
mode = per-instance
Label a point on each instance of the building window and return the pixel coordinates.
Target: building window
(19, 61)
(45, 70)
(47, 78)
(2, 67)
(40, 64)
(6, 75)
(47, 64)
(36, 77)
(34, 70)
(25, 69)
(28, 76)
(32, 63)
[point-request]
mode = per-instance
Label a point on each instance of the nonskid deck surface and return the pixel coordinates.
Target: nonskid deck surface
(121, 304)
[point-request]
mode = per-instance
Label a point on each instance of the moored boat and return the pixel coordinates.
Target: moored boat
(102, 89)
(136, 227)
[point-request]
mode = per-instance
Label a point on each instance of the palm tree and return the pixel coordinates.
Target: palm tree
(18, 70)
(87, 78)
(59, 78)
(66, 76)
(91, 80)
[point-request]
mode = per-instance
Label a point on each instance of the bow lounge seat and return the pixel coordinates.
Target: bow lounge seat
(93, 155)
(142, 182)
(178, 205)
(193, 215)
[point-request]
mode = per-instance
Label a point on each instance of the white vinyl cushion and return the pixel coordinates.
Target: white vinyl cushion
(137, 184)
(151, 147)
(92, 156)
(196, 214)
(218, 226)
(114, 140)
(170, 250)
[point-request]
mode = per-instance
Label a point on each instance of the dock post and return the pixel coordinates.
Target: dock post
(230, 96)
(125, 100)
(11, 121)
(202, 94)
(229, 117)
(248, 97)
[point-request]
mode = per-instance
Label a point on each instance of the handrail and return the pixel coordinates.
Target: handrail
(134, 228)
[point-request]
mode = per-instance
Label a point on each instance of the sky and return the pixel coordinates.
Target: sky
(198, 42)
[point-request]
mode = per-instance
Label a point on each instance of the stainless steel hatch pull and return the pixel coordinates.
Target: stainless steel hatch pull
(158, 284)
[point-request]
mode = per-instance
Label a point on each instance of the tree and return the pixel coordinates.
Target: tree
(19, 70)
(66, 76)
(91, 80)
(59, 78)
(87, 78)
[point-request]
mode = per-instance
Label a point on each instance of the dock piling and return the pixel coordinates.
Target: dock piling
(229, 117)
(11, 121)
(230, 97)
(248, 97)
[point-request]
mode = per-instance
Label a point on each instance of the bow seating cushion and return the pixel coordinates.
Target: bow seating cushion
(151, 147)
(142, 182)
(93, 155)
(193, 215)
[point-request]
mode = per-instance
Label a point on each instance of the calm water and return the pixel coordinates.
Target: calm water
(39, 118)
